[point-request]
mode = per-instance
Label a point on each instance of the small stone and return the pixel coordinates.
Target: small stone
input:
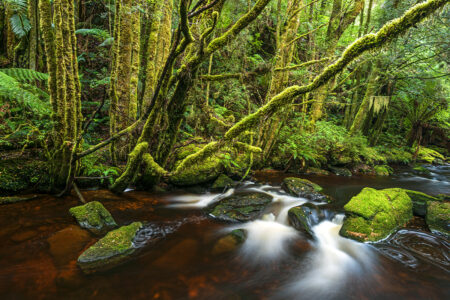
(94, 217)
(304, 188)
(229, 242)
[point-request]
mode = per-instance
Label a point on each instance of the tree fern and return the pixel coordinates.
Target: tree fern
(25, 94)
(20, 24)
(24, 75)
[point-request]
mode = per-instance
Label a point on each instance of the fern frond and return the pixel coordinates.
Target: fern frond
(24, 75)
(96, 32)
(20, 24)
(12, 89)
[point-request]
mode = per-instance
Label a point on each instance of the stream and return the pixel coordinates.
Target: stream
(41, 242)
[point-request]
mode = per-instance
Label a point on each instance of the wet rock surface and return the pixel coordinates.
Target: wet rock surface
(438, 216)
(241, 207)
(94, 217)
(304, 188)
(307, 215)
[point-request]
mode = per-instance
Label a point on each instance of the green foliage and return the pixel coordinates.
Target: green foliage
(20, 24)
(24, 75)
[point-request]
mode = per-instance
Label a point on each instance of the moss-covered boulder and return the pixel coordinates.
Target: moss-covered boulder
(94, 217)
(438, 216)
(430, 156)
(112, 250)
(240, 207)
(229, 242)
(316, 171)
(307, 215)
(205, 172)
(382, 170)
(374, 214)
(419, 201)
(222, 182)
(340, 171)
(300, 187)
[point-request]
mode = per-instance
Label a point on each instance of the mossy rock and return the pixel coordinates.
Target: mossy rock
(208, 171)
(382, 170)
(430, 156)
(94, 217)
(240, 207)
(222, 182)
(14, 199)
(300, 187)
(20, 174)
(419, 201)
(374, 214)
(340, 171)
(112, 250)
(421, 170)
(438, 216)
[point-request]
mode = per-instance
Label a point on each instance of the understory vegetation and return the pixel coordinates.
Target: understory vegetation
(145, 93)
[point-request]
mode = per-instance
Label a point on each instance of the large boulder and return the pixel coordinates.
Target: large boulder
(240, 207)
(94, 217)
(438, 216)
(304, 188)
(205, 172)
(430, 156)
(113, 249)
(307, 215)
(374, 214)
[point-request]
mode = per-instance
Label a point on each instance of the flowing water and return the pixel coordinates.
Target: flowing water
(41, 242)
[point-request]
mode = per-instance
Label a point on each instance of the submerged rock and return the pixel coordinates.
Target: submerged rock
(374, 214)
(304, 188)
(229, 242)
(341, 171)
(94, 217)
(222, 182)
(438, 216)
(67, 243)
(382, 170)
(113, 249)
(307, 215)
(240, 207)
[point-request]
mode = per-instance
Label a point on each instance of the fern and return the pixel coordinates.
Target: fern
(24, 75)
(20, 24)
(12, 89)
(96, 32)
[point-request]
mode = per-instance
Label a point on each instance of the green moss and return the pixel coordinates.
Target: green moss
(374, 214)
(383, 170)
(206, 171)
(438, 216)
(19, 174)
(299, 220)
(429, 155)
(421, 170)
(93, 216)
(222, 182)
(111, 250)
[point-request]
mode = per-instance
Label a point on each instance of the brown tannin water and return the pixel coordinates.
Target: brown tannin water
(41, 243)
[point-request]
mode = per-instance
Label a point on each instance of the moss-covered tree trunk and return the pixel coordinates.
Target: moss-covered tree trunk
(124, 74)
(339, 22)
(57, 24)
